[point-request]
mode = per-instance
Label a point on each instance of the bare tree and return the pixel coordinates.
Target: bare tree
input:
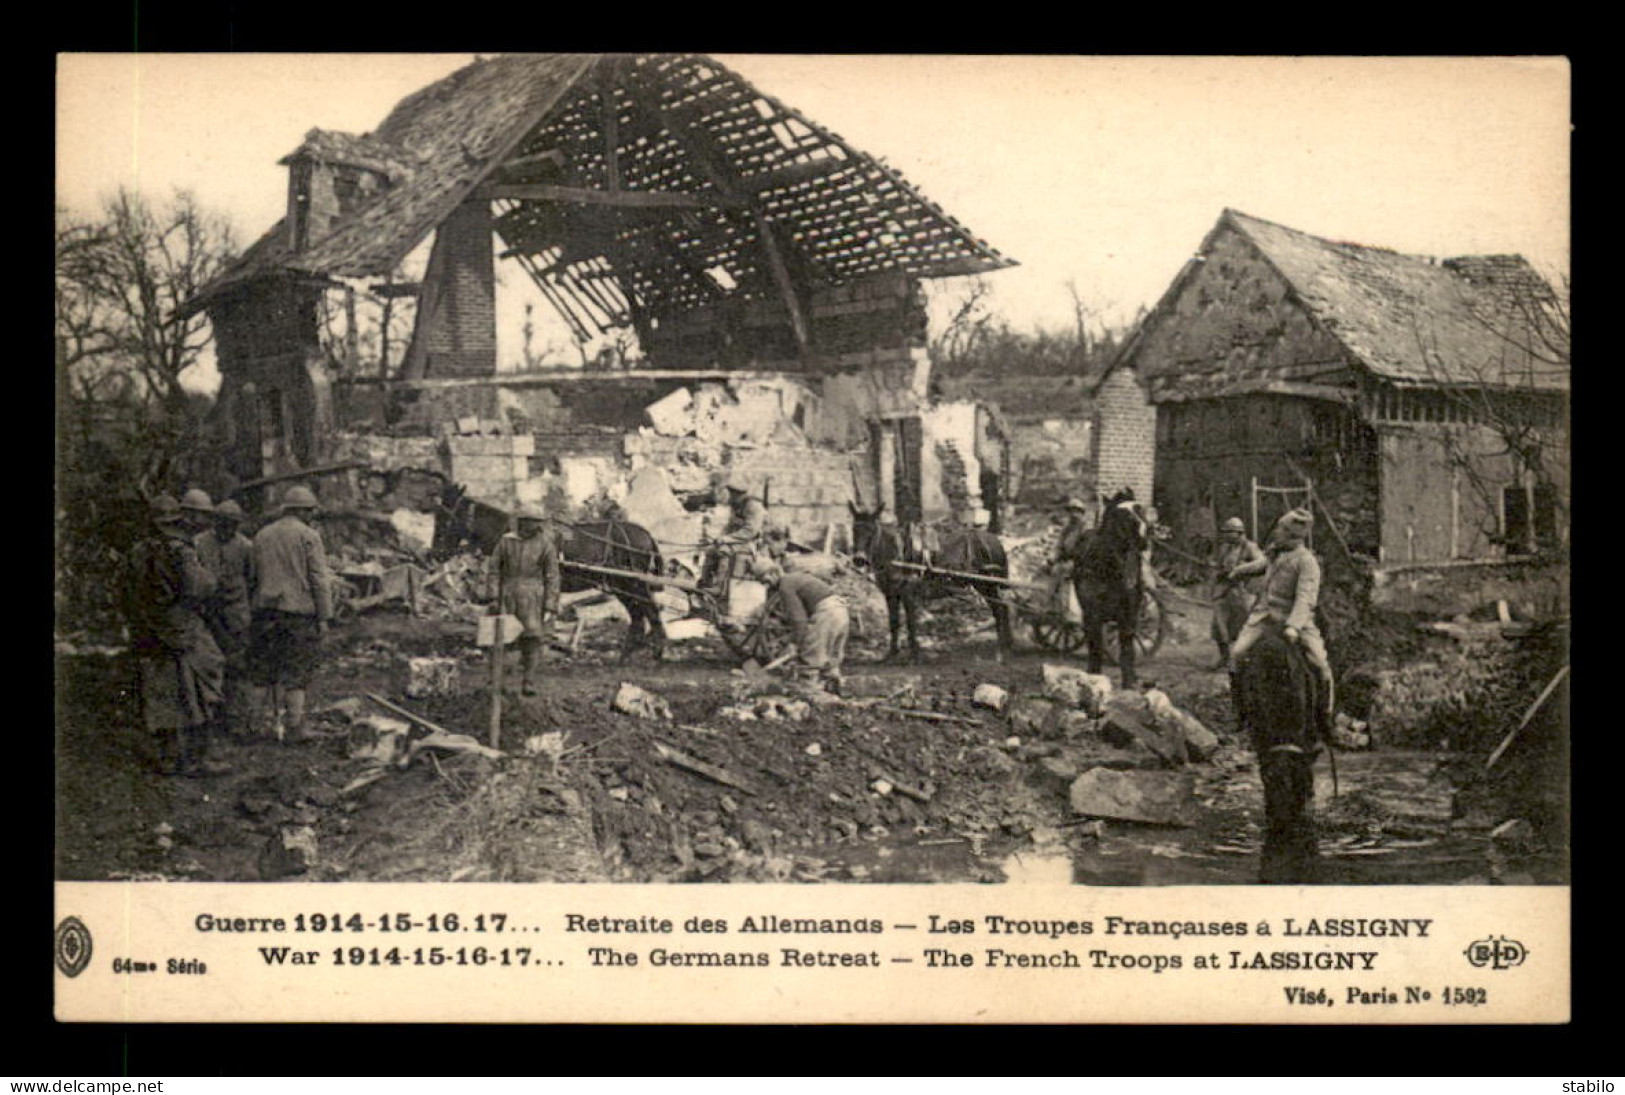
(1510, 407)
(126, 422)
(120, 281)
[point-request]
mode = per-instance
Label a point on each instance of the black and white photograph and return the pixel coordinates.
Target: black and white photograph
(686, 468)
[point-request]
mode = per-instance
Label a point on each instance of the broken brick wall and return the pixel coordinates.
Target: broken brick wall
(1125, 435)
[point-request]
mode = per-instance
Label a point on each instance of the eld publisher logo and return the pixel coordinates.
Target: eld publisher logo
(72, 946)
(1497, 953)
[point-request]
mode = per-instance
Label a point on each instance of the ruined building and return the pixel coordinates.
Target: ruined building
(770, 272)
(1424, 401)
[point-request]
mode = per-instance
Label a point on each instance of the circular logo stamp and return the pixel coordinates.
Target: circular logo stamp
(72, 946)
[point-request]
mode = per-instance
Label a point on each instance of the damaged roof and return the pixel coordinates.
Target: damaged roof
(710, 161)
(1474, 320)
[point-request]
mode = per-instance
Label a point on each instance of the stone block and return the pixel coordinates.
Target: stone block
(1072, 686)
(1200, 742)
(291, 850)
(673, 414)
(1033, 716)
(1128, 720)
(632, 700)
(1152, 798)
(990, 695)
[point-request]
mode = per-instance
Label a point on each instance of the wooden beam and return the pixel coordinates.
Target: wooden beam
(553, 157)
(626, 199)
(781, 278)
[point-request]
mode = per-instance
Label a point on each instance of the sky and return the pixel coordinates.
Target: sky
(1102, 172)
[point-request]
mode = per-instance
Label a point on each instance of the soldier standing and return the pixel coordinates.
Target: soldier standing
(1233, 600)
(177, 661)
(229, 555)
(522, 578)
(293, 600)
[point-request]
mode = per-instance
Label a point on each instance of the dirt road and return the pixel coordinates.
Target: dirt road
(832, 793)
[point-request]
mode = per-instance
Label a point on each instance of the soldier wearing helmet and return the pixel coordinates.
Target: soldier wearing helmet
(747, 521)
(1289, 597)
(1233, 599)
(197, 509)
(178, 664)
(229, 555)
(522, 579)
(292, 602)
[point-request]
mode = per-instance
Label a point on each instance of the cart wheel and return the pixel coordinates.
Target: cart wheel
(1147, 637)
(761, 639)
(1058, 634)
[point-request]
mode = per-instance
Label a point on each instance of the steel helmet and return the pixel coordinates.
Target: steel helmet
(1078, 504)
(229, 509)
(1299, 520)
(529, 513)
(1233, 524)
(737, 484)
(197, 501)
(165, 510)
(298, 498)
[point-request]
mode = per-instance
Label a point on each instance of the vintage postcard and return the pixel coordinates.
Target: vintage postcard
(691, 538)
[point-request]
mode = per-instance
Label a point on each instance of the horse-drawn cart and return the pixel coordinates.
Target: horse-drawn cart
(749, 627)
(1051, 611)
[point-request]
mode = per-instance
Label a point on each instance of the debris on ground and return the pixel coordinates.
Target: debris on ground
(990, 695)
(290, 851)
(1154, 798)
(632, 700)
(1073, 687)
(431, 676)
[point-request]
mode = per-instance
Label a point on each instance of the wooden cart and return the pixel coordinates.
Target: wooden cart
(1054, 616)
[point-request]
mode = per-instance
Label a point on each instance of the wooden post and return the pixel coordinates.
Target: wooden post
(497, 657)
(781, 278)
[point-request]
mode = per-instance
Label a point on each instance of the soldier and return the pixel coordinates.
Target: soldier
(522, 578)
(746, 523)
(1069, 549)
(177, 661)
(229, 555)
(1232, 599)
(818, 619)
(1289, 597)
(293, 600)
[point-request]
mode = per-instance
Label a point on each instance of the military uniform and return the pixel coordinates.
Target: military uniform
(1288, 598)
(230, 610)
(178, 663)
(293, 600)
(1234, 601)
(819, 621)
(522, 579)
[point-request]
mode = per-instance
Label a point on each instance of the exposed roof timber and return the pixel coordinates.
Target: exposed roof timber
(702, 149)
(626, 199)
(553, 157)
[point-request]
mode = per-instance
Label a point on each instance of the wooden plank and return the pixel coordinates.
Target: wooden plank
(302, 473)
(405, 714)
(616, 572)
(700, 768)
(966, 576)
(929, 716)
(1540, 701)
(625, 199)
(781, 277)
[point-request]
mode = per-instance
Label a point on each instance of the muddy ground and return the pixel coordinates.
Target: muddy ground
(825, 793)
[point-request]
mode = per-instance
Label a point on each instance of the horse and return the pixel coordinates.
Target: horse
(1278, 703)
(1110, 584)
(623, 546)
(967, 550)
